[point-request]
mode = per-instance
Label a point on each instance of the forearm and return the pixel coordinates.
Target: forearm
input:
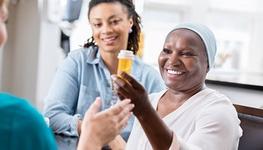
(63, 123)
(118, 143)
(60, 103)
(159, 135)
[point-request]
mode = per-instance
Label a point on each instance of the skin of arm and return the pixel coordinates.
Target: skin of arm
(159, 135)
(118, 143)
(99, 128)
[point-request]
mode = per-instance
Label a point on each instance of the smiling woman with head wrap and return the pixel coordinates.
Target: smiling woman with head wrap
(206, 36)
(187, 115)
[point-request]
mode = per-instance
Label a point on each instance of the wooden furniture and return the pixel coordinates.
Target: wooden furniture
(252, 125)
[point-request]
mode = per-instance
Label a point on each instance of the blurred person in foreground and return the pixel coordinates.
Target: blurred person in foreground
(22, 126)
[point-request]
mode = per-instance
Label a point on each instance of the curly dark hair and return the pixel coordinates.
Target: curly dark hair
(134, 36)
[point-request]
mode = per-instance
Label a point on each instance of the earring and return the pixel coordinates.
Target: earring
(130, 31)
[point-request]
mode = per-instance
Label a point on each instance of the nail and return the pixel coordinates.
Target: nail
(114, 77)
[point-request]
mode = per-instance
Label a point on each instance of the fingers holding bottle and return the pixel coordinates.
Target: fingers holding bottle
(127, 87)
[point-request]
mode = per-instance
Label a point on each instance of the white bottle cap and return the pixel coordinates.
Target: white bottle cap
(125, 54)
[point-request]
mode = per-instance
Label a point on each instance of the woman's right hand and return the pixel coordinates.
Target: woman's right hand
(99, 128)
(128, 87)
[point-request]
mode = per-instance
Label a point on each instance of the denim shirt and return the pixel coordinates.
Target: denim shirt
(81, 78)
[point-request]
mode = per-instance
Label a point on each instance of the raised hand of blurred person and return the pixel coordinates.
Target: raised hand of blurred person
(99, 128)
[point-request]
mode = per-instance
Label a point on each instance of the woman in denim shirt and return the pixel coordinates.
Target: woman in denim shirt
(86, 73)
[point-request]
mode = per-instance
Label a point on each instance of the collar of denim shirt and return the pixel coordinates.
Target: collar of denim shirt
(93, 55)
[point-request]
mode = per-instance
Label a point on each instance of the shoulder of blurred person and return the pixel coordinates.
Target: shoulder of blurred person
(22, 126)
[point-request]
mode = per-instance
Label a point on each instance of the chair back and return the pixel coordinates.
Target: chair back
(252, 125)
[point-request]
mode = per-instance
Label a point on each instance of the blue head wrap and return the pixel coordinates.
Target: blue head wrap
(207, 37)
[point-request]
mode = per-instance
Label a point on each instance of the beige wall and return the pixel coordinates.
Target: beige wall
(32, 52)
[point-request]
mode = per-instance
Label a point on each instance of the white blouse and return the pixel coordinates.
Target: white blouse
(206, 121)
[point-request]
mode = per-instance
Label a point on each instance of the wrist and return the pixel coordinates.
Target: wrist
(142, 108)
(88, 146)
(144, 112)
(88, 142)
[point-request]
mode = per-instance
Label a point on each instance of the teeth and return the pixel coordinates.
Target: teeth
(170, 71)
(109, 39)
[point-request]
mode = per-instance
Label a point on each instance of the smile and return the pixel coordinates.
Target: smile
(109, 40)
(174, 72)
